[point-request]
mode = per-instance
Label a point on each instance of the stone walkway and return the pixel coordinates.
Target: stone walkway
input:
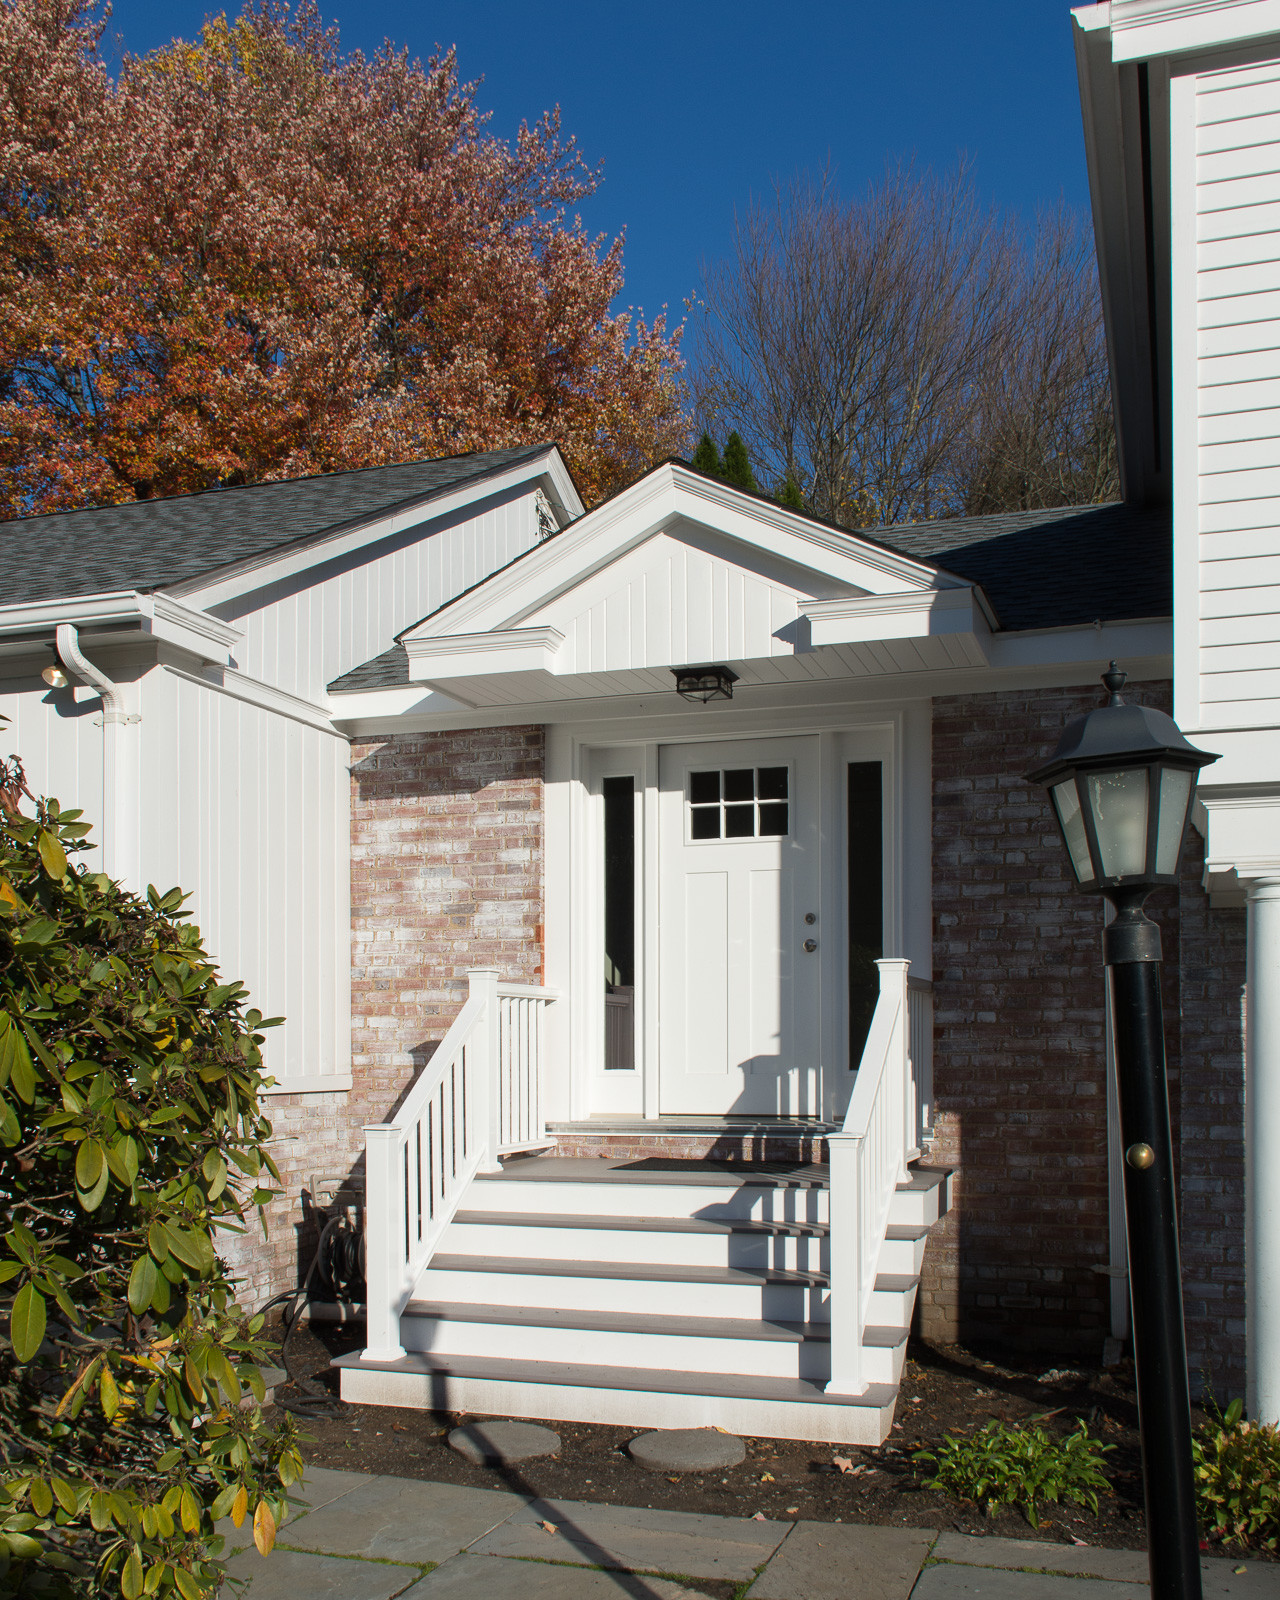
(367, 1538)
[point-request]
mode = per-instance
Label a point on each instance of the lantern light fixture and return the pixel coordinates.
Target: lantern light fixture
(1121, 782)
(704, 683)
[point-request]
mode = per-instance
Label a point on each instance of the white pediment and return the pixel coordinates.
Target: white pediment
(679, 570)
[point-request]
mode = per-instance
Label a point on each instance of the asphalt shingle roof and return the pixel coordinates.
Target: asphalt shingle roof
(153, 544)
(1039, 569)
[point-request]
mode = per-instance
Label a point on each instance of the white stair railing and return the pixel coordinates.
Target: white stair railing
(868, 1158)
(478, 1098)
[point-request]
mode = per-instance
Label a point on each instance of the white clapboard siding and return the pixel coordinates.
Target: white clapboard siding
(59, 742)
(304, 631)
(1237, 332)
(247, 810)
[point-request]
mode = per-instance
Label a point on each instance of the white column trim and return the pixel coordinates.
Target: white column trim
(1262, 1170)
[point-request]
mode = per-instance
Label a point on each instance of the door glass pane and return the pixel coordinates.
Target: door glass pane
(773, 818)
(704, 822)
(620, 922)
(739, 821)
(740, 784)
(704, 788)
(771, 783)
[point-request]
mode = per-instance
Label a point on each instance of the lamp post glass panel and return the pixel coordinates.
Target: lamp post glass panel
(1121, 782)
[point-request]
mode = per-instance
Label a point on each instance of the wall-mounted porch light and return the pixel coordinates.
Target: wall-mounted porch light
(704, 683)
(55, 676)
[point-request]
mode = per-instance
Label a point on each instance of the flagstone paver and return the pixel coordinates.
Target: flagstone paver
(403, 1519)
(635, 1539)
(1125, 1566)
(295, 1575)
(468, 1577)
(827, 1561)
(995, 1583)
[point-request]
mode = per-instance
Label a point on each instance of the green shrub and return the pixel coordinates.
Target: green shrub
(1237, 1472)
(130, 1131)
(1019, 1466)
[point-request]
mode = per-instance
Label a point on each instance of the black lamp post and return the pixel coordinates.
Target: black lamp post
(1121, 782)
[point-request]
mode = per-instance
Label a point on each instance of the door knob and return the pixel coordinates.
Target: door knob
(811, 945)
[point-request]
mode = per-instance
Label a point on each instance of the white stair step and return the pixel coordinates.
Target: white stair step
(628, 1286)
(655, 1189)
(921, 1197)
(780, 1408)
(684, 1241)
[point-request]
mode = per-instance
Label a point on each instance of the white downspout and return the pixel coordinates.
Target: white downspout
(118, 775)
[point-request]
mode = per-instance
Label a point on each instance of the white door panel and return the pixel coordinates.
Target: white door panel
(738, 993)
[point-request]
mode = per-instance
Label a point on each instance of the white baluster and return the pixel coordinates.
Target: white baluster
(488, 1068)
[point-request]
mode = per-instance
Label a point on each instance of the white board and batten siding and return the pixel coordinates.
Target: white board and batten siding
(1225, 177)
(249, 811)
(303, 631)
(245, 809)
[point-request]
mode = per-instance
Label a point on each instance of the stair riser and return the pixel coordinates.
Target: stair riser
(806, 1254)
(913, 1208)
(891, 1308)
(776, 1301)
(905, 1256)
(718, 1202)
(769, 1419)
(644, 1352)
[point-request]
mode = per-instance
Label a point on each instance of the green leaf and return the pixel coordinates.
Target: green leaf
(41, 1497)
(89, 1163)
(91, 1199)
(131, 1577)
(52, 854)
(108, 1393)
(142, 1284)
(27, 1322)
(190, 1247)
(15, 1064)
(66, 1495)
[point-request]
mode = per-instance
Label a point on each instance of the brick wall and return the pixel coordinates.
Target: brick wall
(1020, 1065)
(446, 874)
(1211, 1147)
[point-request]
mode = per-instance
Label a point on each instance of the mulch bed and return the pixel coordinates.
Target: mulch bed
(942, 1389)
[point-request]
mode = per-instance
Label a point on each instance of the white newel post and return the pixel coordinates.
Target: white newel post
(855, 1177)
(488, 1077)
(385, 1222)
(1262, 1170)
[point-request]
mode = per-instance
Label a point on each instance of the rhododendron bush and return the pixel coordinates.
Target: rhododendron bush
(257, 256)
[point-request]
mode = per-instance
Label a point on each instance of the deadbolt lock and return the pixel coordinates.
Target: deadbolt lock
(811, 917)
(811, 945)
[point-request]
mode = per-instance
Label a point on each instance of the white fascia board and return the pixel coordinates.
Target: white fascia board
(668, 494)
(1145, 648)
(274, 565)
(466, 655)
(1046, 657)
(1144, 29)
(954, 612)
(156, 615)
(225, 680)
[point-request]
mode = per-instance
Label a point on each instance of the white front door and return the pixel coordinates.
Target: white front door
(738, 999)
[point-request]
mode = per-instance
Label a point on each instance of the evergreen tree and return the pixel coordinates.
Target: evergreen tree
(737, 465)
(788, 494)
(706, 458)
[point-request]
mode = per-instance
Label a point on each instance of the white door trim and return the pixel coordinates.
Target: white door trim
(896, 735)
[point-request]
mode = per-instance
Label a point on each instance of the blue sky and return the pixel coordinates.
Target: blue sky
(694, 107)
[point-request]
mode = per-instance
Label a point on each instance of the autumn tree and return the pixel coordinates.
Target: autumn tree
(911, 353)
(256, 256)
